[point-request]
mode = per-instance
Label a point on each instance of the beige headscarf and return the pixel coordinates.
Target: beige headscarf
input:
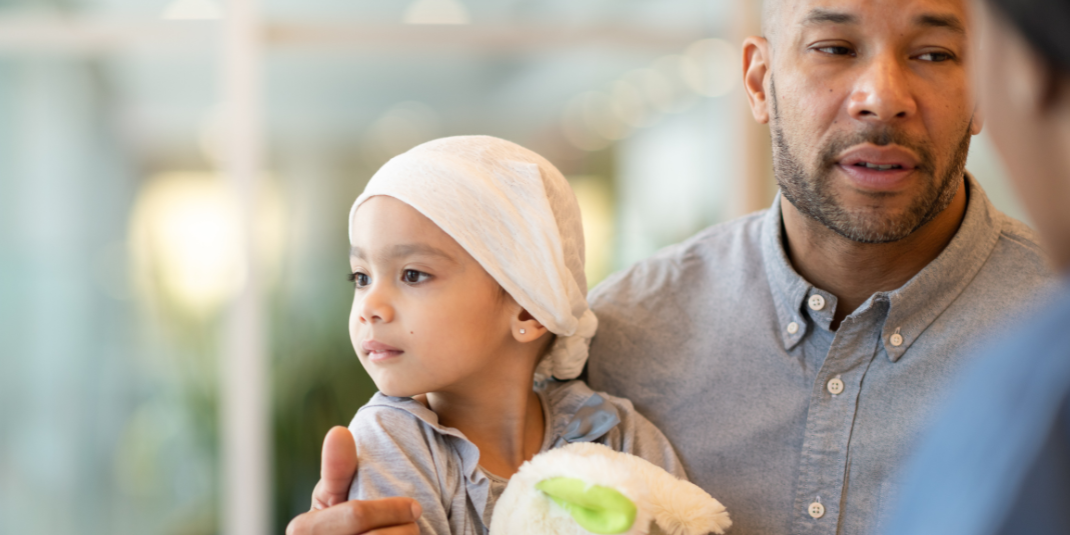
(515, 213)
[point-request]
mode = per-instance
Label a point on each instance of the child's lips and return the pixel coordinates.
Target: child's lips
(377, 350)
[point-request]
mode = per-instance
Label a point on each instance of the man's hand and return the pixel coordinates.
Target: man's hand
(331, 514)
(338, 467)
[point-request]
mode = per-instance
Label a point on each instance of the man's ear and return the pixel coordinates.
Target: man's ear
(755, 71)
(526, 328)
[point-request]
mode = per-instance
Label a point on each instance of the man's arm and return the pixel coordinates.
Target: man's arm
(331, 514)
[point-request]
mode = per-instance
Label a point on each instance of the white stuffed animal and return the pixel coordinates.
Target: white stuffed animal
(586, 488)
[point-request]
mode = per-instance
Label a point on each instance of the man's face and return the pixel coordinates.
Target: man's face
(870, 111)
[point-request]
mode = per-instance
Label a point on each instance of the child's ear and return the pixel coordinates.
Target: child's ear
(526, 328)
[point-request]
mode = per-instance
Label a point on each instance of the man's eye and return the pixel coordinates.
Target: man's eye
(835, 50)
(935, 57)
(359, 280)
(412, 276)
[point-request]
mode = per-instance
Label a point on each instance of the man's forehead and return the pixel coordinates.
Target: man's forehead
(796, 12)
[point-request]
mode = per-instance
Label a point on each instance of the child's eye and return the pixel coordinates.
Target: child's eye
(412, 276)
(358, 279)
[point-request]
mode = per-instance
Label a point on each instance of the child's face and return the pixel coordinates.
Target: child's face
(426, 316)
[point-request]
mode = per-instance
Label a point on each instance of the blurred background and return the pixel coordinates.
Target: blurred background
(175, 178)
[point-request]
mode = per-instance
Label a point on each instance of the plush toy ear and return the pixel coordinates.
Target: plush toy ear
(595, 508)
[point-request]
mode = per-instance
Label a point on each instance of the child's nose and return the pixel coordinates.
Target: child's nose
(376, 306)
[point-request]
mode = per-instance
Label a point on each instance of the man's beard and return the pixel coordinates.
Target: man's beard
(811, 192)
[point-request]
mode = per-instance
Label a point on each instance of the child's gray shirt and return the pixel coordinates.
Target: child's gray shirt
(404, 451)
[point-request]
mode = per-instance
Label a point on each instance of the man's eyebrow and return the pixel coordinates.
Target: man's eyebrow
(407, 249)
(819, 15)
(950, 22)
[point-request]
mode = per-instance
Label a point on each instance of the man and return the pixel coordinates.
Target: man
(792, 356)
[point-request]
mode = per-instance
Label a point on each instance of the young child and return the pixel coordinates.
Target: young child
(467, 258)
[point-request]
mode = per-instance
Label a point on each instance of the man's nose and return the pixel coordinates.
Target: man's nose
(375, 304)
(882, 93)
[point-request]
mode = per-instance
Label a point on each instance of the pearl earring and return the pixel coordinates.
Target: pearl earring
(522, 331)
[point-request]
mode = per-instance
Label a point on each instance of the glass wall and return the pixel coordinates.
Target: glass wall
(107, 398)
(124, 251)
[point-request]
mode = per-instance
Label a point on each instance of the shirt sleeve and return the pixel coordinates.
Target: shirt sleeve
(399, 456)
(638, 436)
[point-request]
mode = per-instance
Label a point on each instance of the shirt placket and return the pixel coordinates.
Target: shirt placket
(833, 404)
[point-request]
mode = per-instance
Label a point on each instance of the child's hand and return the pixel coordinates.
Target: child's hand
(331, 514)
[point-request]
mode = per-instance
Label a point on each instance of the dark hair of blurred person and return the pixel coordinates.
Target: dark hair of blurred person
(997, 459)
(1023, 80)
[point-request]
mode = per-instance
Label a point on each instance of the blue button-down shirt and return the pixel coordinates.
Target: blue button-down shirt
(715, 340)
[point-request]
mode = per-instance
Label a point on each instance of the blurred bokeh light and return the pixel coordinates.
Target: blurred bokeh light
(187, 241)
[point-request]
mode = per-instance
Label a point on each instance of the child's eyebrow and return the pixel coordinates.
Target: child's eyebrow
(408, 249)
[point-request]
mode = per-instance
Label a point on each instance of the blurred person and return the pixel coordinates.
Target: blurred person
(794, 355)
(998, 459)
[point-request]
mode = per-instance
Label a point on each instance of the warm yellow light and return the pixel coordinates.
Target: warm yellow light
(596, 206)
(187, 240)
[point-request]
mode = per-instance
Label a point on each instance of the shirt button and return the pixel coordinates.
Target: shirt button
(835, 386)
(816, 302)
(816, 510)
(896, 339)
(793, 328)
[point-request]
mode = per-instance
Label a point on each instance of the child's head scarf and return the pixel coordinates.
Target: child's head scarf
(515, 213)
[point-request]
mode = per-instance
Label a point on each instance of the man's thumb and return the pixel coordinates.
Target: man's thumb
(339, 465)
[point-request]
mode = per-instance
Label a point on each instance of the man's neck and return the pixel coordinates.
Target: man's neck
(854, 271)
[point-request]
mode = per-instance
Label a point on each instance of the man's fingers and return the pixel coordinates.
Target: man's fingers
(337, 468)
(331, 514)
(359, 517)
(407, 529)
(317, 494)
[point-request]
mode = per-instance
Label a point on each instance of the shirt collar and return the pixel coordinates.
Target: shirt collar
(580, 414)
(917, 303)
(913, 306)
(572, 412)
(788, 287)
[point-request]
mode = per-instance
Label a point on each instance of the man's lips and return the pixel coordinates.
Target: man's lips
(872, 157)
(377, 350)
(874, 168)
